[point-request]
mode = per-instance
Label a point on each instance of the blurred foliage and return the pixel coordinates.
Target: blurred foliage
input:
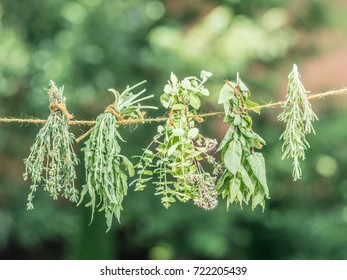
(92, 45)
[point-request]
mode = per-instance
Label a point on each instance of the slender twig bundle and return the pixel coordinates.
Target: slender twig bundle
(51, 162)
(298, 116)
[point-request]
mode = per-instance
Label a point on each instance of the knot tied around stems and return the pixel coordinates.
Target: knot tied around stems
(112, 109)
(51, 162)
(57, 100)
(62, 108)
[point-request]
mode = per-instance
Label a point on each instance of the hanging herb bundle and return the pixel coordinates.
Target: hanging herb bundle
(107, 170)
(298, 116)
(181, 148)
(244, 177)
(51, 162)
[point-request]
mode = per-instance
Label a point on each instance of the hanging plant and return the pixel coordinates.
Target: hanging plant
(244, 177)
(107, 170)
(176, 165)
(298, 116)
(176, 162)
(51, 162)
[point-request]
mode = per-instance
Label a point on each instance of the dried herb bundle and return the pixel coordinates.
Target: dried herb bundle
(51, 162)
(180, 148)
(107, 170)
(298, 116)
(244, 177)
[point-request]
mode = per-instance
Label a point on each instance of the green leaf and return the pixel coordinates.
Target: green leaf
(227, 138)
(226, 107)
(192, 133)
(186, 84)
(172, 149)
(173, 79)
(205, 75)
(165, 100)
(178, 132)
(232, 156)
(124, 184)
(145, 172)
(258, 199)
(234, 187)
(178, 107)
(194, 101)
(247, 180)
(167, 88)
(256, 143)
(242, 86)
(257, 163)
(253, 135)
(205, 92)
(250, 105)
(247, 121)
(222, 180)
(119, 136)
(109, 216)
(225, 94)
(237, 120)
(129, 166)
(160, 129)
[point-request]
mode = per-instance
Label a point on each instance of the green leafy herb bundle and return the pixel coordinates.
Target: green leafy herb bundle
(107, 170)
(244, 177)
(298, 116)
(180, 149)
(51, 162)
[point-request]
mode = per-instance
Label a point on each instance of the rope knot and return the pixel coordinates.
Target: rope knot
(62, 108)
(113, 110)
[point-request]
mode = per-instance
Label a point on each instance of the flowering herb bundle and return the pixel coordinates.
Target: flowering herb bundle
(107, 170)
(298, 116)
(180, 149)
(244, 177)
(51, 162)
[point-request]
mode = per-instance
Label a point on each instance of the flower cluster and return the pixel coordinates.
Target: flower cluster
(206, 197)
(208, 143)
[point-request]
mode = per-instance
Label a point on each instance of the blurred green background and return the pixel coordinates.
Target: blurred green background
(92, 45)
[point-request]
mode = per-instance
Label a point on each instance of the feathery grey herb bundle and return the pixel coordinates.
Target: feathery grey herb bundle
(298, 116)
(244, 177)
(107, 170)
(51, 162)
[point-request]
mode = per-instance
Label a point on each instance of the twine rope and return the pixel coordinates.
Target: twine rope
(322, 95)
